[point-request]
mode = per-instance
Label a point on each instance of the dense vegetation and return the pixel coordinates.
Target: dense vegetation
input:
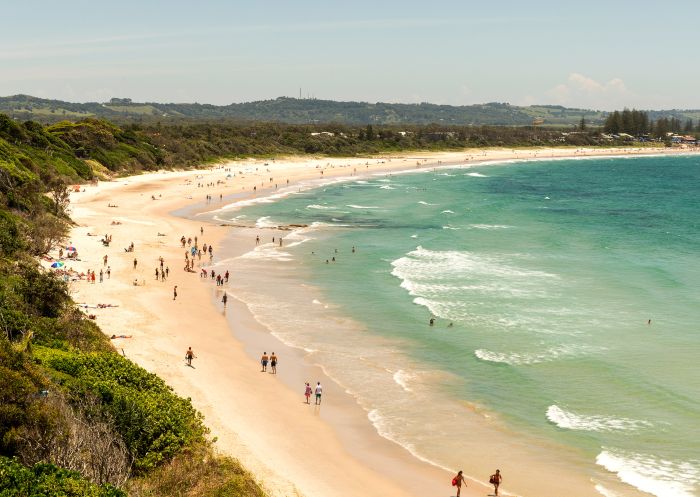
(638, 123)
(311, 111)
(92, 148)
(76, 418)
(297, 111)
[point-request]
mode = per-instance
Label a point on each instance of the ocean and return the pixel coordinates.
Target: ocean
(565, 298)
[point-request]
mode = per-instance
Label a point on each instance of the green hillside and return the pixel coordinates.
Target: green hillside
(309, 111)
(76, 418)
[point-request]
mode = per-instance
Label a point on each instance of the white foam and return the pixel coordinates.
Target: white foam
(269, 252)
(652, 474)
(489, 226)
(320, 207)
(476, 175)
(574, 421)
(361, 206)
(448, 227)
(381, 425)
(527, 358)
(605, 492)
(402, 378)
(361, 182)
(422, 202)
(387, 187)
(447, 211)
(264, 222)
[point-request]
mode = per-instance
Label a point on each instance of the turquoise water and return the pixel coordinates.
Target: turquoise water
(541, 278)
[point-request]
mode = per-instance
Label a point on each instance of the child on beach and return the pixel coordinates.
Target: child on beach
(307, 392)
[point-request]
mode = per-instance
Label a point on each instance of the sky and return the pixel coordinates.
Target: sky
(586, 53)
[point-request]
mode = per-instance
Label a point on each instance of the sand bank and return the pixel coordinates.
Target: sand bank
(293, 448)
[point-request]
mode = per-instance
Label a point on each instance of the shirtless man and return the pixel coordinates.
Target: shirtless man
(273, 363)
(189, 355)
(263, 361)
(495, 480)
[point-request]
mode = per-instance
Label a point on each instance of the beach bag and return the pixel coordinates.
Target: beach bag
(454, 481)
(492, 480)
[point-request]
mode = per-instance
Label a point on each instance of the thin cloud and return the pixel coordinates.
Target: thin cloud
(583, 91)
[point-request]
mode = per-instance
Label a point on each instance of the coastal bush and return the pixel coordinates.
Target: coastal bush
(154, 423)
(48, 480)
(11, 240)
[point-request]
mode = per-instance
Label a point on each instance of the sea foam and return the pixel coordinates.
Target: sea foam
(652, 474)
(573, 421)
(527, 358)
(320, 207)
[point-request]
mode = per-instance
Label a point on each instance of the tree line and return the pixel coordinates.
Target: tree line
(637, 123)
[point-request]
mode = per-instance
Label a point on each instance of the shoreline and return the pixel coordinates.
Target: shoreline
(283, 453)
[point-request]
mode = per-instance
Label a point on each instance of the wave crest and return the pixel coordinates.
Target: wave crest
(652, 474)
(573, 421)
(527, 358)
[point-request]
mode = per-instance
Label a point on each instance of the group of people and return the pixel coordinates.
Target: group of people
(91, 275)
(272, 359)
(318, 391)
(495, 480)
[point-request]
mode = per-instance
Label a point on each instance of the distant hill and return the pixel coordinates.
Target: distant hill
(305, 111)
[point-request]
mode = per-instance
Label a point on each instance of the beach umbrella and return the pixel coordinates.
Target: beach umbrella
(57, 264)
(71, 248)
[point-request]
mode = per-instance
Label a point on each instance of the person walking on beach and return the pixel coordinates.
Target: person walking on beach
(319, 392)
(273, 363)
(109, 272)
(175, 292)
(135, 262)
(495, 480)
(189, 355)
(307, 392)
(224, 299)
(104, 260)
(458, 480)
(263, 362)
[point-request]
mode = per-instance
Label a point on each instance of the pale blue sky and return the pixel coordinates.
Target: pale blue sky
(595, 54)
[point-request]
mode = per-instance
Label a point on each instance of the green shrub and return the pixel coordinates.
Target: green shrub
(47, 480)
(154, 422)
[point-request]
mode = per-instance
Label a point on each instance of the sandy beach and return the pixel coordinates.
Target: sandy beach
(260, 418)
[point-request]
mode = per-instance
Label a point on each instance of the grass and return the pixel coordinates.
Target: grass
(197, 472)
